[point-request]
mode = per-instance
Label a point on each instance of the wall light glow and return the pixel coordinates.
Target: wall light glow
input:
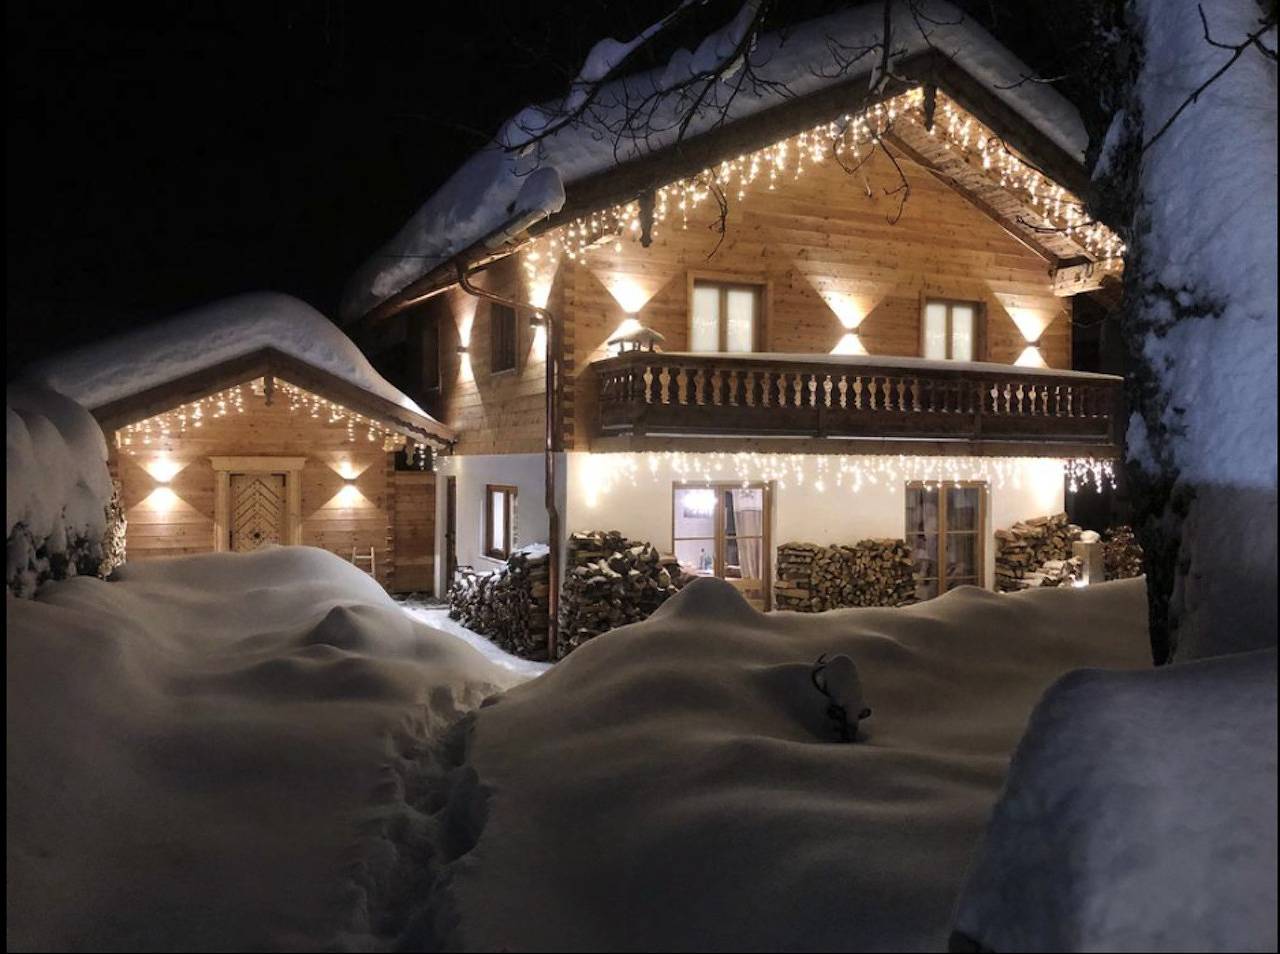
(1031, 322)
(164, 468)
(849, 344)
(1031, 358)
(630, 291)
(162, 500)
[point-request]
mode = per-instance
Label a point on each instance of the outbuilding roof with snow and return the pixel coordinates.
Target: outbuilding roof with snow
(538, 174)
(132, 376)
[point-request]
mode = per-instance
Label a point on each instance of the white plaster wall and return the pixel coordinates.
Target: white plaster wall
(812, 502)
(474, 472)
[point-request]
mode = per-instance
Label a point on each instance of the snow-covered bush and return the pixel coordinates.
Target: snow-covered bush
(57, 489)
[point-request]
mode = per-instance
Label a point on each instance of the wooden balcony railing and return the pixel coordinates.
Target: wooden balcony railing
(764, 395)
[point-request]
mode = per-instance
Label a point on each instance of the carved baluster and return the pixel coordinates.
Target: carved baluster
(857, 392)
(826, 391)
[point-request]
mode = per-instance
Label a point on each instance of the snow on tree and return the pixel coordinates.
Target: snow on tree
(1188, 170)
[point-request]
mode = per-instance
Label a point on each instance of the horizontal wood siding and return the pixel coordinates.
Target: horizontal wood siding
(181, 520)
(502, 413)
(821, 235)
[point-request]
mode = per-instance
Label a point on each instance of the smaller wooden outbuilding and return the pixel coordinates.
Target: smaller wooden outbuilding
(264, 449)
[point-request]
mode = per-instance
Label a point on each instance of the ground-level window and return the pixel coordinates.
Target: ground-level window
(944, 532)
(499, 520)
(723, 530)
(724, 316)
(951, 330)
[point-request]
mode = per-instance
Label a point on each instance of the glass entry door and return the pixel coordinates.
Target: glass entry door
(945, 530)
(722, 530)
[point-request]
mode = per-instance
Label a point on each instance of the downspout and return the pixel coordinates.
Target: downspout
(549, 452)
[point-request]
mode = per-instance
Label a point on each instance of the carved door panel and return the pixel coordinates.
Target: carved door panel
(257, 510)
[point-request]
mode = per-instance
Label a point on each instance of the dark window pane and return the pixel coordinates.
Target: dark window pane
(963, 508)
(962, 555)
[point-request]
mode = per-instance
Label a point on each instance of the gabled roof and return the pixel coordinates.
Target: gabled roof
(152, 369)
(503, 194)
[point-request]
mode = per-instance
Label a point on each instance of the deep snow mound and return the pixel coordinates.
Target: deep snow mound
(225, 752)
(1140, 815)
(675, 784)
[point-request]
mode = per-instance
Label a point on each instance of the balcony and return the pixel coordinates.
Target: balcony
(839, 403)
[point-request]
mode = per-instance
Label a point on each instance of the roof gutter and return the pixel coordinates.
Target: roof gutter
(503, 241)
(552, 388)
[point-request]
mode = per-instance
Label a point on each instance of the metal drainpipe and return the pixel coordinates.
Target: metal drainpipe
(549, 454)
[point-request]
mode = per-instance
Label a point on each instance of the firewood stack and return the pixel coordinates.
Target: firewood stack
(813, 578)
(509, 604)
(1037, 552)
(1122, 553)
(611, 581)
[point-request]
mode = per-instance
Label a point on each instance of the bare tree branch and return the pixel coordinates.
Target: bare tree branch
(1238, 50)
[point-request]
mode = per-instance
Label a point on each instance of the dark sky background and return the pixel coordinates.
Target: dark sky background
(161, 156)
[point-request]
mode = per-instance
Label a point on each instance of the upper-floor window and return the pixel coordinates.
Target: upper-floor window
(724, 316)
(952, 330)
(502, 338)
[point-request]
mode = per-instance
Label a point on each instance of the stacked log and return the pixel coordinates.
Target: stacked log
(611, 581)
(509, 605)
(813, 578)
(1037, 552)
(1121, 553)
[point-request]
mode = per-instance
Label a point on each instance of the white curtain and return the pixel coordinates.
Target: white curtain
(748, 517)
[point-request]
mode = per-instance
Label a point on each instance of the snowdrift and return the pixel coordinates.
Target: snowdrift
(1140, 815)
(674, 784)
(224, 752)
(57, 488)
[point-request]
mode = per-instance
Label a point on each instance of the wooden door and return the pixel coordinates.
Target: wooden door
(257, 510)
(450, 529)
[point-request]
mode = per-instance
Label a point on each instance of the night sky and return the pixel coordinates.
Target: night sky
(161, 156)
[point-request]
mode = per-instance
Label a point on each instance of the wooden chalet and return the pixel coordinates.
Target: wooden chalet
(875, 340)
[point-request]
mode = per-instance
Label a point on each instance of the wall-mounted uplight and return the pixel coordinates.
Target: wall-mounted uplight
(463, 349)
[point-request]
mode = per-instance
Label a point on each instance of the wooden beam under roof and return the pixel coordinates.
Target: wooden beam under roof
(1073, 279)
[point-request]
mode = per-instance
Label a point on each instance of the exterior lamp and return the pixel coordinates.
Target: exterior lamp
(462, 349)
(635, 338)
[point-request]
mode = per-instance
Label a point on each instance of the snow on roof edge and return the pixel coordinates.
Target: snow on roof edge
(489, 188)
(154, 354)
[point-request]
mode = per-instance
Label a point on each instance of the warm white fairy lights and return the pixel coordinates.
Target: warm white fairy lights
(158, 432)
(847, 139)
(836, 473)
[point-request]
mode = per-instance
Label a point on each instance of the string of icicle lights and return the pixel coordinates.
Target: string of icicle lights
(184, 419)
(839, 473)
(848, 137)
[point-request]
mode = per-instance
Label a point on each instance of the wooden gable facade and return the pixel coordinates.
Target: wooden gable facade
(266, 449)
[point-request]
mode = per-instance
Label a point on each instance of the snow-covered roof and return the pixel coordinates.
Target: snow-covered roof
(499, 184)
(125, 365)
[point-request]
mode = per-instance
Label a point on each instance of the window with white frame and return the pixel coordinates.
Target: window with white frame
(951, 330)
(724, 316)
